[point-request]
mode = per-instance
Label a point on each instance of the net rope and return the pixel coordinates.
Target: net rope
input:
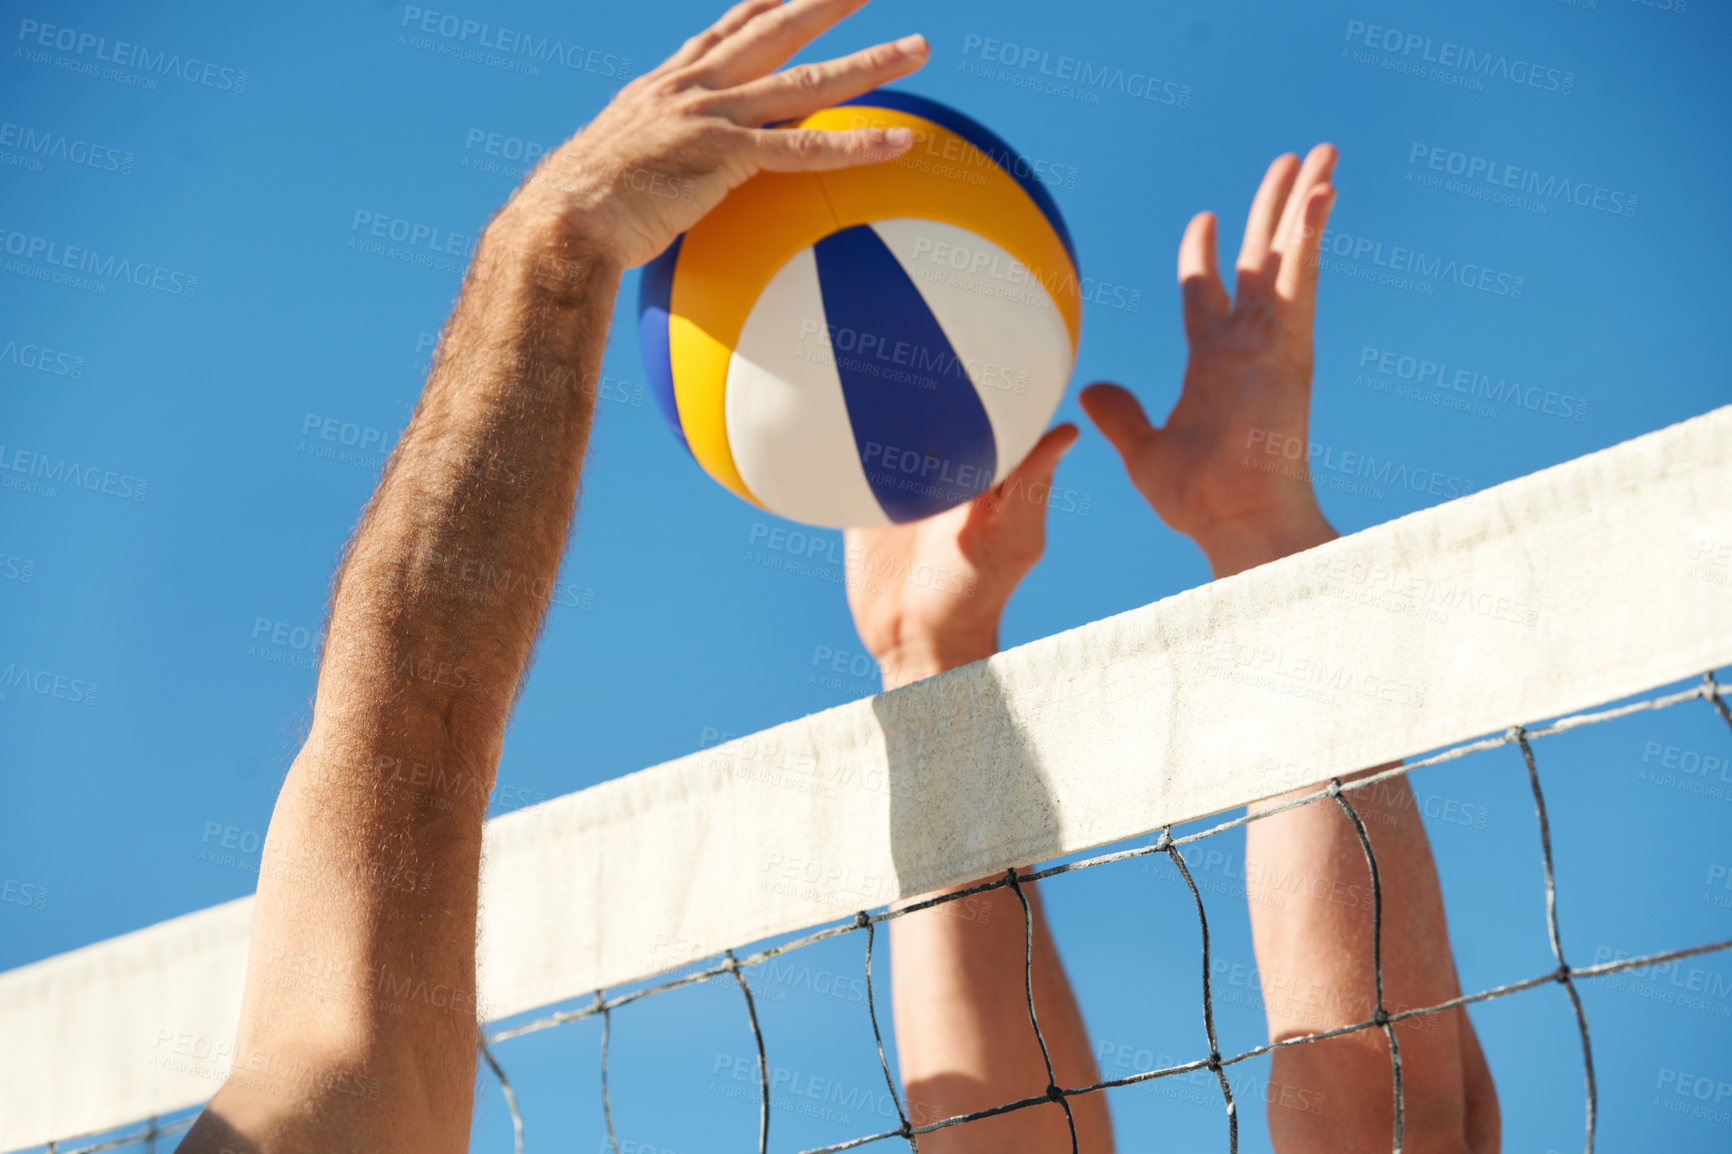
(1566, 975)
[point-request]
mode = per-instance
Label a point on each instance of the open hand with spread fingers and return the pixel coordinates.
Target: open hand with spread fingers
(1230, 466)
(679, 138)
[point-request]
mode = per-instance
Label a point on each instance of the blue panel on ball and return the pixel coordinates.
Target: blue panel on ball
(654, 293)
(983, 138)
(924, 438)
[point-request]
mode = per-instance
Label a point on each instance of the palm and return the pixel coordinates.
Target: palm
(936, 588)
(1235, 446)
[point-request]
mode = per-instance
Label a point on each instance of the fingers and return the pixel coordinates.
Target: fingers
(809, 87)
(1120, 418)
(1265, 217)
(767, 40)
(811, 150)
(1026, 489)
(1297, 281)
(1319, 166)
(1205, 296)
(704, 42)
(1042, 460)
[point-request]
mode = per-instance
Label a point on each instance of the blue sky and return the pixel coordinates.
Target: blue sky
(238, 424)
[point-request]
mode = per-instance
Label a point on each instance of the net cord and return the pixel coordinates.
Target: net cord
(1552, 927)
(1214, 1062)
(1053, 1092)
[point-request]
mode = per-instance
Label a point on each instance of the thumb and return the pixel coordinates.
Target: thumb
(1120, 418)
(1043, 459)
(1034, 472)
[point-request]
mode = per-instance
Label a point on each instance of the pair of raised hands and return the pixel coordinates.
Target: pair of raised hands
(699, 119)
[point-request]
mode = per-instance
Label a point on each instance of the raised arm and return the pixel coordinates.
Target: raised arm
(1222, 471)
(359, 1021)
(962, 1031)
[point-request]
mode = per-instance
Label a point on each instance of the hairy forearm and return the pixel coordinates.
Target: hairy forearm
(360, 1012)
(447, 580)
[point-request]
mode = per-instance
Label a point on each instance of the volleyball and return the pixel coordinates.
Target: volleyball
(874, 345)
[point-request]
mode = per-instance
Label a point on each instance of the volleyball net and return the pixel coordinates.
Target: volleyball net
(1500, 626)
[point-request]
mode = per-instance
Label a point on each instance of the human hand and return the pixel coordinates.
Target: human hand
(676, 140)
(1219, 470)
(947, 578)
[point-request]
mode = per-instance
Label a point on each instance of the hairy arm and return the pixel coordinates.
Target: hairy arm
(359, 1021)
(1221, 471)
(963, 1036)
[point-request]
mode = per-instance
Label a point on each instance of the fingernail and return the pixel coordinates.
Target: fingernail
(899, 137)
(912, 44)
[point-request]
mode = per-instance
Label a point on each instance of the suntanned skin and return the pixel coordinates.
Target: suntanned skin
(961, 1022)
(418, 669)
(358, 1026)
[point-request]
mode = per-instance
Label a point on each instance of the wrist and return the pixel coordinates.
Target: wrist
(921, 656)
(556, 253)
(1237, 546)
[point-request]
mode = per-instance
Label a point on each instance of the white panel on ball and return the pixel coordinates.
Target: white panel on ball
(1019, 357)
(788, 424)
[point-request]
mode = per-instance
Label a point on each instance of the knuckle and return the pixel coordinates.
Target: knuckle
(805, 78)
(806, 145)
(881, 56)
(712, 134)
(703, 41)
(695, 101)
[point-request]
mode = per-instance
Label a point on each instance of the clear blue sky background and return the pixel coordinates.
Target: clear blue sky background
(184, 606)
